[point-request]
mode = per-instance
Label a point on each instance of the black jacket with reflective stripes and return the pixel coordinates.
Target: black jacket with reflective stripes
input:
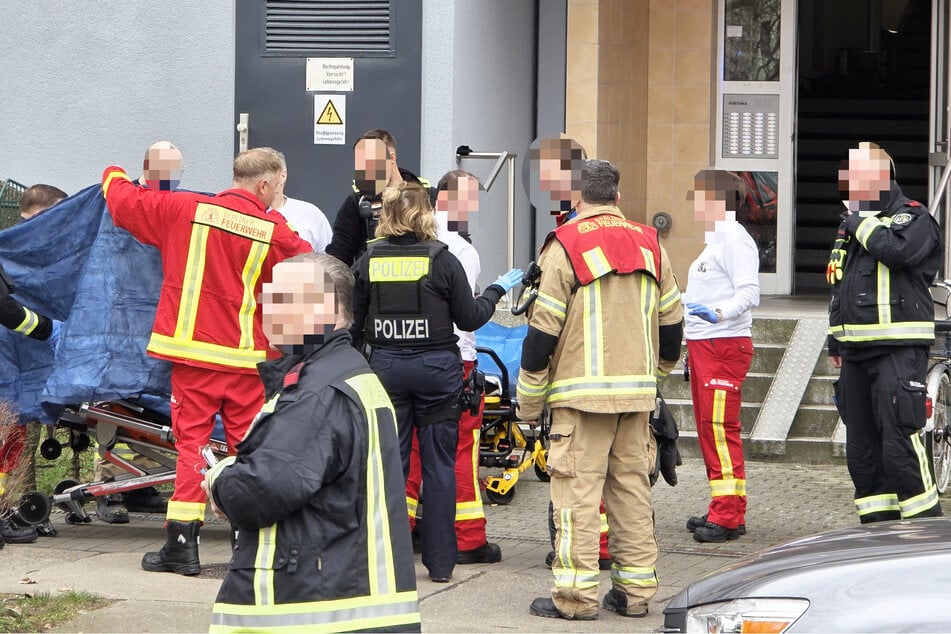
(407, 295)
(883, 297)
(317, 490)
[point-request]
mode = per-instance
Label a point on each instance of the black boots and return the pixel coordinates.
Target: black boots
(487, 553)
(110, 509)
(147, 500)
(180, 552)
(13, 533)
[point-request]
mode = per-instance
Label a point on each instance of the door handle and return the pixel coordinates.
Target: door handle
(242, 129)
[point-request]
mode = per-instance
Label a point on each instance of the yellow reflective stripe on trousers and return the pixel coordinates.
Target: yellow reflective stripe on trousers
(626, 385)
(249, 278)
(923, 501)
(884, 280)
(113, 175)
(640, 576)
(874, 332)
(382, 572)
(876, 503)
(597, 262)
(719, 434)
(469, 510)
(593, 333)
(340, 615)
(191, 282)
(207, 352)
(731, 486)
(411, 506)
(551, 304)
(604, 522)
(29, 323)
(472, 509)
(264, 565)
(566, 575)
(185, 511)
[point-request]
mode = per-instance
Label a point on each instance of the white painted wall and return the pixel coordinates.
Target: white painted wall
(478, 78)
(86, 85)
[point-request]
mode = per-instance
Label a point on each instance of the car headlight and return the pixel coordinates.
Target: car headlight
(746, 616)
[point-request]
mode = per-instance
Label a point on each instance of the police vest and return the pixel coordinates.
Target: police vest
(607, 243)
(405, 311)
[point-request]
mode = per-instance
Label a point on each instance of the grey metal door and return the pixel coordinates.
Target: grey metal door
(273, 40)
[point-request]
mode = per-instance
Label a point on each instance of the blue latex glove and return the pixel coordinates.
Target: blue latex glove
(510, 280)
(702, 312)
(53, 339)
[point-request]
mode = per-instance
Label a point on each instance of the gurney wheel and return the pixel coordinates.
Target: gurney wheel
(542, 474)
(61, 487)
(79, 442)
(500, 498)
(51, 449)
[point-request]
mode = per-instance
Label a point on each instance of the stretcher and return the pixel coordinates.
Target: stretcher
(505, 442)
(143, 430)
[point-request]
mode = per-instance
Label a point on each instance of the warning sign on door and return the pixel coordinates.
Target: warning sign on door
(330, 117)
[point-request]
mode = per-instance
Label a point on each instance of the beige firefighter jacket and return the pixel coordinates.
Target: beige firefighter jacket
(606, 359)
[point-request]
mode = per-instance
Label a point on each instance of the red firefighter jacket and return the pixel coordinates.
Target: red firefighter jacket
(216, 251)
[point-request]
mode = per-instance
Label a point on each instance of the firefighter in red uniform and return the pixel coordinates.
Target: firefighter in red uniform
(216, 253)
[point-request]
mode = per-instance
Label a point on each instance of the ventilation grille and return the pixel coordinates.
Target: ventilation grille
(306, 27)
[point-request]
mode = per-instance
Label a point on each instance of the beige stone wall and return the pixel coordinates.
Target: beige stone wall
(639, 93)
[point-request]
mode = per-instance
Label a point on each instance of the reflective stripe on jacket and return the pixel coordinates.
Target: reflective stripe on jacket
(883, 296)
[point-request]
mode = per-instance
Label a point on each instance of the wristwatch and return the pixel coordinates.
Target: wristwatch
(719, 314)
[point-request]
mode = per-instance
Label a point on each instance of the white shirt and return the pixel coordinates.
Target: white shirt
(469, 258)
(725, 276)
(309, 222)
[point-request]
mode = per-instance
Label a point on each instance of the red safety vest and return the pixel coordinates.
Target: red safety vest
(607, 243)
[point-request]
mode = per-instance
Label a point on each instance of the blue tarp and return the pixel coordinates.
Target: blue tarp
(506, 341)
(73, 264)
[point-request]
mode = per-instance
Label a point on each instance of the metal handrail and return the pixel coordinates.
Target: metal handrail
(463, 152)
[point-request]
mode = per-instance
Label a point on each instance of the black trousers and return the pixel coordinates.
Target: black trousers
(424, 387)
(882, 401)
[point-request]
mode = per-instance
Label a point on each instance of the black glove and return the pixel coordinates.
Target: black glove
(668, 459)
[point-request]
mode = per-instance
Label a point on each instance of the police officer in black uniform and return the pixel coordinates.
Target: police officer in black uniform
(881, 320)
(409, 291)
(375, 169)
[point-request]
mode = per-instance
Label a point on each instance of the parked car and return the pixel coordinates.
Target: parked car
(883, 577)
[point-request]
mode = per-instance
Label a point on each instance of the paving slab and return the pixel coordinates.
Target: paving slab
(786, 501)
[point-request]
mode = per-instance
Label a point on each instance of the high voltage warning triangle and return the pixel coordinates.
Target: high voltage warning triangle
(330, 115)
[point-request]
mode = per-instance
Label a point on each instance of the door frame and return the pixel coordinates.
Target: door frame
(780, 282)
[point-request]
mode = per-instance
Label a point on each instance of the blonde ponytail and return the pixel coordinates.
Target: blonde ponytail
(406, 209)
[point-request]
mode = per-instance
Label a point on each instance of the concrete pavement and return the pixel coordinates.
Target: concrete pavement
(785, 502)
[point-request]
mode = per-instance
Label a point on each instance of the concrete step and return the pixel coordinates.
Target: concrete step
(772, 330)
(819, 391)
(814, 422)
(798, 451)
(682, 409)
(755, 387)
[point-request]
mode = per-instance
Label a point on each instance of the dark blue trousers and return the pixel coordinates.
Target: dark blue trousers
(423, 386)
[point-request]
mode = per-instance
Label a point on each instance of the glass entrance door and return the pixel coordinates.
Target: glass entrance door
(755, 108)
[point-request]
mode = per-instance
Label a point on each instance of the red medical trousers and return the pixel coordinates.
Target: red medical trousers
(197, 395)
(14, 440)
(470, 516)
(717, 370)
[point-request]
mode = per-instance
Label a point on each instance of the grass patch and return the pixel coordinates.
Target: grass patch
(40, 613)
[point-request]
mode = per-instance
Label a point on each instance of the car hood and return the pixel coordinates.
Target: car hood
(899, 554)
